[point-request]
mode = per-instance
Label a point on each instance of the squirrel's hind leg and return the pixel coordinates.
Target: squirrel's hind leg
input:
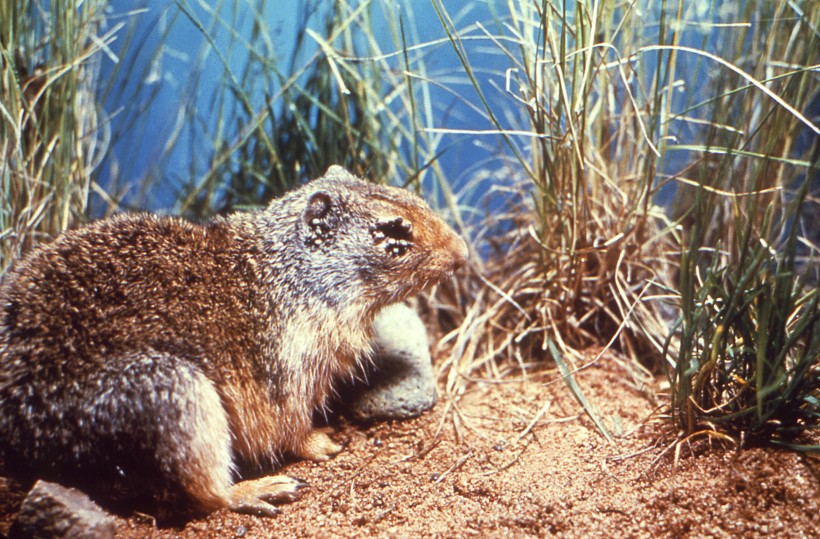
(193, 439)
(174, 416)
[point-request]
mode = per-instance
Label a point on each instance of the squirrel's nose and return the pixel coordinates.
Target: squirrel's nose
(460, 253)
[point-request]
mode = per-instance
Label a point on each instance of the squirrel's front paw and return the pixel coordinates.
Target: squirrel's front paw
(259, 496)
(318, 446)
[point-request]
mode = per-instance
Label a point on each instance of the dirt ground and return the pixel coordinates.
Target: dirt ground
(527, 464)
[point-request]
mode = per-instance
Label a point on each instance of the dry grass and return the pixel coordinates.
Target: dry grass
(574, 252)
(51, 137)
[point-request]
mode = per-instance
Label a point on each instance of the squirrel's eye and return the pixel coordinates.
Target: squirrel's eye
(395, 234)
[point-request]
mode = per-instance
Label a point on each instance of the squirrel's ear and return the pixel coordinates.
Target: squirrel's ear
(320, 219)
(318, 207)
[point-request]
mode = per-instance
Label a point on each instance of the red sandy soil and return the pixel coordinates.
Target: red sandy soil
(507, 476)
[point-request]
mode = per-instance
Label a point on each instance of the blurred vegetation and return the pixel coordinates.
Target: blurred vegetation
(335, 99)
(322, 115)
(651, 174)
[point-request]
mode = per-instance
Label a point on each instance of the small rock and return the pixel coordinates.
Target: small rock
(54, 511)
(401, 383)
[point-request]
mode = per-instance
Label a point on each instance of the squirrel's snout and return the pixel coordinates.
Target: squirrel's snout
(460, 253)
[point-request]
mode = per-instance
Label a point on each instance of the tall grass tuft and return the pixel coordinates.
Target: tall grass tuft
(50, 136)
(579, 237)
(749, 326)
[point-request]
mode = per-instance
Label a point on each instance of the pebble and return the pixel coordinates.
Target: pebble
(54, 511)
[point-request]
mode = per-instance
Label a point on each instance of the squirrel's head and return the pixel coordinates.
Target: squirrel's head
(367, 244)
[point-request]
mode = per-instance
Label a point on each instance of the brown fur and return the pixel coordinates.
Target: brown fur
(158, 353)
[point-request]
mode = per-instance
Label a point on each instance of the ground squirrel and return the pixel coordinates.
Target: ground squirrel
(159, 354)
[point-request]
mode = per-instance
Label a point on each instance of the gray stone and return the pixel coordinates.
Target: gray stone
(54, 511)
(401, 383)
